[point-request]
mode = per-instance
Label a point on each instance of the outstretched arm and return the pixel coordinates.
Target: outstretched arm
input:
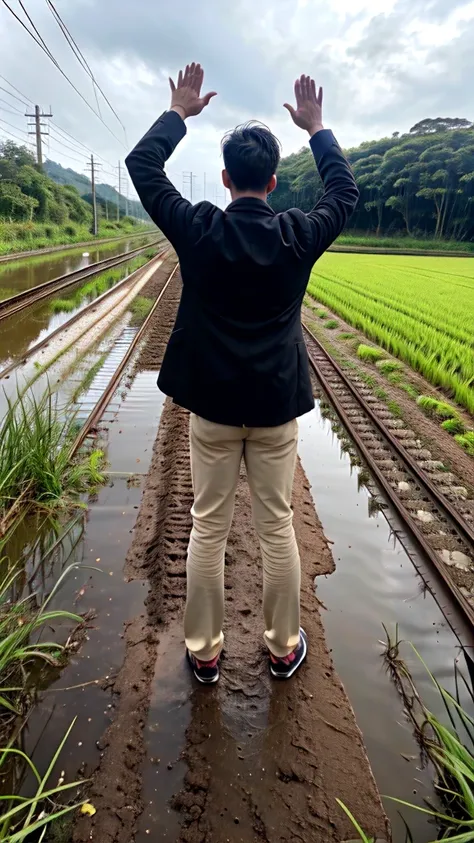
(165, 205)
(340, 197)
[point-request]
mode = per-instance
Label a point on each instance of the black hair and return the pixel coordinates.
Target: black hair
(251, 155)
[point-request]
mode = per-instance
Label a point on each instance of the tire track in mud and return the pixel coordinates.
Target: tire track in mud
(265, 761)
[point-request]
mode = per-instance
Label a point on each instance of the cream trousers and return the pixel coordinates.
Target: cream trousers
(270, 458)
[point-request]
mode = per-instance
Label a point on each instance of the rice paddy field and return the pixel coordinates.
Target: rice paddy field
(420, 309)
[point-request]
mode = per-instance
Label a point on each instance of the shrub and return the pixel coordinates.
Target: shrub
(69, 230)
(369, 353)
(453, 426)
(331, 324)
(388, 366)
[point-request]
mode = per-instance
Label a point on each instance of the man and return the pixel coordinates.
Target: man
(236, 358)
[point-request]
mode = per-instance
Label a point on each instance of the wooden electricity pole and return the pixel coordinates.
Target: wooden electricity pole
(119, 189)
(37, 116)
(95, 227)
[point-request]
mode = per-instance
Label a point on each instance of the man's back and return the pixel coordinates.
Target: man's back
(236, 355)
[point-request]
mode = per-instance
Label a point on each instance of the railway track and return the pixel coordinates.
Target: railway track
(436, 512)
(15, 304)
(124, 285)
(124, 353)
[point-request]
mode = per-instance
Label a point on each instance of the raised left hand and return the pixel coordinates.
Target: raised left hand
(186, 97)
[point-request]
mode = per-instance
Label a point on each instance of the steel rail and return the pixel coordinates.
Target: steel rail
(101, 405)
(125, 282)
(17, 303)
(447, 510)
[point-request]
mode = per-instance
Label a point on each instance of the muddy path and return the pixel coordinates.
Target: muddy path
(252, 760)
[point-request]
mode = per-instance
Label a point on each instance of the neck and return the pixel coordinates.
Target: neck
(246, 194)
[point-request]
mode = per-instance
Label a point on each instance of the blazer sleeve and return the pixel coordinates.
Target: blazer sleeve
(163, 202)
(340, 196)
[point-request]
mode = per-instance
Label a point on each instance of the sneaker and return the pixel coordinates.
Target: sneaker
(287, 666)
(205, 672)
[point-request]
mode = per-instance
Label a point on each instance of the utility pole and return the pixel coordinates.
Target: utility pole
(95, 227)
(126, 199)
(37, 116)
(188, 180)
(119, 189)
(106, 210)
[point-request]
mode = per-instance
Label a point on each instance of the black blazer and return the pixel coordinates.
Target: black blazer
(237, 355)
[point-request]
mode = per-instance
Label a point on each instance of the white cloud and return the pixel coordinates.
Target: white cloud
(382, 71)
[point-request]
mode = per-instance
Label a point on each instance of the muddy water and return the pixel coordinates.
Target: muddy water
(374, 583)
(16, 276)
(20, 332)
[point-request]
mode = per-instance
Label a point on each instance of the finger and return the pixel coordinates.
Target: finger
(180, 79)
(172, 85)
(313, 89)
(201, 77)
(320, 96)
(206, 99)
(308, 87)
(290, 109)
(302, 86)
(186, 76)
(198, 77)
(298, 93)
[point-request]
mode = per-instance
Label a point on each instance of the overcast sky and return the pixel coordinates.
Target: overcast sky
(381, 72)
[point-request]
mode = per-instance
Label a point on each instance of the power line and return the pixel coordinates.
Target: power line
(6, 132)
(13, 127)
(12, 106)
(15, 89)
(14, 97)
(47, 51)
(60, 141)
(80, 56)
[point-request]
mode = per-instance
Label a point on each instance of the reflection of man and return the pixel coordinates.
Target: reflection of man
(236, 358)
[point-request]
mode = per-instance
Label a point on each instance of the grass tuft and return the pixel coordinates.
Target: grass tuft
(140, 308)
(331, 324)
(436, 408)
(388, 366)
(368, 353)
(466, 441)
(453, 426)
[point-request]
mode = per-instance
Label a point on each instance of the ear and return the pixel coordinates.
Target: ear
(226, 179)
(272, 184)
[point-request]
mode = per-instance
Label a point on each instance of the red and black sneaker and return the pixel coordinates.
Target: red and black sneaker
(285, 667)
(205, 672)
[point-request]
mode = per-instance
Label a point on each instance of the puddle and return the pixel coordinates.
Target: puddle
(25, 273)
(23, 330)
(375, 582)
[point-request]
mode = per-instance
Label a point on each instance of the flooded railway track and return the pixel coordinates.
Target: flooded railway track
(432, 507)
(15, 304)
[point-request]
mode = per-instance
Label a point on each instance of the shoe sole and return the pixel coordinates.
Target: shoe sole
(199, 678)
(284, 676)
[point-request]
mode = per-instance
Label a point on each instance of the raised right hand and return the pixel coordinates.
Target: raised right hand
(308, 113)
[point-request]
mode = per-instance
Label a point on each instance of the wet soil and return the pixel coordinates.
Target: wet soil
(441, 444)
(261, 760)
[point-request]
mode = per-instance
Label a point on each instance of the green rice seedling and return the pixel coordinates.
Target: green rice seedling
(409, 389)
(453, 426)
(22, 817)
(407, 306)
(331, 324)
(436, 408)
(63, 305)
(354, 822)
(368, 353)
(466, 441)
(388, 366)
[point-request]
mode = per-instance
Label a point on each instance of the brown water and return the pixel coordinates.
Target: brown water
(24, 274)
(374, 582)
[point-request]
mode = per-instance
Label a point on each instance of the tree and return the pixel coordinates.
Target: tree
(440, 124)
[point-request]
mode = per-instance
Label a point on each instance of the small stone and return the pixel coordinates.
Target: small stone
(457, 559)
(424, 516)
(403, 486)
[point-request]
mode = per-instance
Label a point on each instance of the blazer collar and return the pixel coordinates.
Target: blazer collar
(251, 203)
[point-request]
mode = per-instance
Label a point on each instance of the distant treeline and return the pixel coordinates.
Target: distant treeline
(420, 184)
(56, 196)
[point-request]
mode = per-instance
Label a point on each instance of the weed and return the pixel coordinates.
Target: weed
(331, 324)
(388, 366)
(395, 409)
(466, 441)
(436, 408)
(89, 377)
(140, 308)
(380, 393)
(322, 314)
(368, 379)
(35, 441)
(346, 335)
(453, 426)
(368, 353)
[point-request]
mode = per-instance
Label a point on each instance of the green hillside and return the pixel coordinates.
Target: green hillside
(105, 193)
